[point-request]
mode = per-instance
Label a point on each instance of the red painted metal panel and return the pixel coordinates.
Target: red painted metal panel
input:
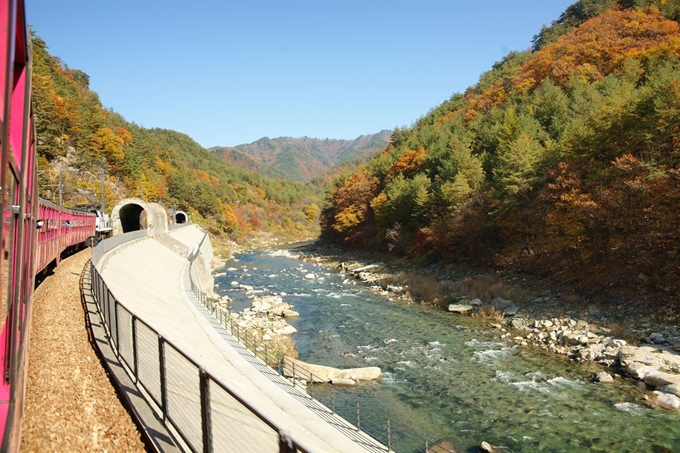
(18, 100)
(4, 55)
(19, 210)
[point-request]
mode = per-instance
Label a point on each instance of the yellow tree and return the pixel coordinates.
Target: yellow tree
(152, 186)
(352, 201)
(109, 145)
(227, 217)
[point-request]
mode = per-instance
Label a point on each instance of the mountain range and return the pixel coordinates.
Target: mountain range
(302, 159)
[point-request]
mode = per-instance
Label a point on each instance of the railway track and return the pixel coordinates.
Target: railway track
(70, 404)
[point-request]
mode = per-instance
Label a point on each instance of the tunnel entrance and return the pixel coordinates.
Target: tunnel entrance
(134, 214)
(132, 217)
(180, 217)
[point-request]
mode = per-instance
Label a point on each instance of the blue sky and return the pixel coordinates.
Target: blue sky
(229, 72)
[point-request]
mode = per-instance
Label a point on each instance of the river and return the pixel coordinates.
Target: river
(448, 375)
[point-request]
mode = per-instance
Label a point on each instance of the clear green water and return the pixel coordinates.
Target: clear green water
(448, 376)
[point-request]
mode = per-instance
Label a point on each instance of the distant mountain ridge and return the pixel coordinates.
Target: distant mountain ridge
(302, 159)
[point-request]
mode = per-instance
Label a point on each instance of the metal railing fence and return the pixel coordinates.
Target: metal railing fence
(197, 406)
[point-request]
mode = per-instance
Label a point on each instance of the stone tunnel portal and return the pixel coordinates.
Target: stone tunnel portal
(180, 217)
(132, 217)
(132, 214)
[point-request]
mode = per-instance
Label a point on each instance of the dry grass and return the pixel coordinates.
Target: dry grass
(618, 330)
(430, 289)
(491, 314)
(487, 287)
(223, 246)
(278, 346)
(425, 288)
(284, 345)
(572, 299)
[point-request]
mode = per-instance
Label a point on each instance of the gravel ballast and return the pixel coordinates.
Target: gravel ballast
(70, 403)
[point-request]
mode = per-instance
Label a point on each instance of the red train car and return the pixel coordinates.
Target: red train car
(33, 232)
(58, 229)
(19, 213)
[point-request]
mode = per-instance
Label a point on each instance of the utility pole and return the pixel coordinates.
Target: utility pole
(61, 183)
(101, 177)
(61, 194)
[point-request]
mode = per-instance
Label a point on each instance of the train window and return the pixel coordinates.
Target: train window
(6, 233)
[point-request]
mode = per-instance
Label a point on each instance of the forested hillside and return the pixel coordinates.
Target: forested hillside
(562, 161)
(302, 159)
(77, 136)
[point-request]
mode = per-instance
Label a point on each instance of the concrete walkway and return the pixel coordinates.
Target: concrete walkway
(150, 278)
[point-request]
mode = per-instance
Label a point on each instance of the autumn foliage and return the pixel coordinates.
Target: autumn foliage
(563, 161)
(600, 47)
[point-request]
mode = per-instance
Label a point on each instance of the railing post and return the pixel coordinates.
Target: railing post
(105, 305)
(163, 378)
(134, 346)
(311, 385)
(266, 354)
(115, 312)
(293, 374)
(112, 315)
(107, 308)
(94, 282)
(106, 296)
(206, 423)
(100, 283)
(358, 416)
(389, 436)
(285, 443)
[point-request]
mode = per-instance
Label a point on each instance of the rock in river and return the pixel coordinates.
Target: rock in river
(459, 308)
(321, 373)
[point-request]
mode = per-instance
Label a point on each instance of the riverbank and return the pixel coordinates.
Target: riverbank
(628, 341)
(449, 376)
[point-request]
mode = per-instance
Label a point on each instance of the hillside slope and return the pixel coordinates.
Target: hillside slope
(563, 162)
